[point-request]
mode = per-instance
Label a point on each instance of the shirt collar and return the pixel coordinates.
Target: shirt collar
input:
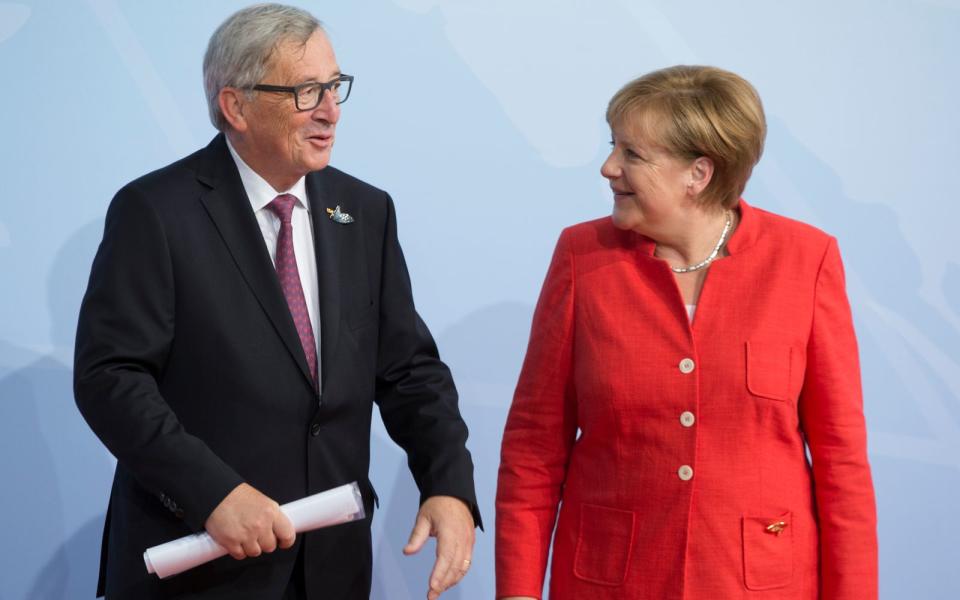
(259, 192)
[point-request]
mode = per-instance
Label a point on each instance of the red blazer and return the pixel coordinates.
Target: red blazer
(676, 450)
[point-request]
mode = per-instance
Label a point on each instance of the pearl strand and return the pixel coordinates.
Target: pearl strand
(716, 250)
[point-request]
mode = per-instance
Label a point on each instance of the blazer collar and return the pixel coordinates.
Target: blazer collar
(327, 236)
(229, 208)
(747, 230)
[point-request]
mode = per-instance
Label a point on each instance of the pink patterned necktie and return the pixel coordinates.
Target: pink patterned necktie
(289, 276)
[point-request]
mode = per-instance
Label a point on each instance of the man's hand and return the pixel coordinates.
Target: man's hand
(449, 520)
(248, 523)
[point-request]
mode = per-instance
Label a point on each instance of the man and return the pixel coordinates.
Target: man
(246, 307)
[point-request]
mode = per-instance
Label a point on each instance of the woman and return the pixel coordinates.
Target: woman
(698, 345)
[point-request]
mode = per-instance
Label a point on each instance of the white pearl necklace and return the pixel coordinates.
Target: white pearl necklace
(716, 250)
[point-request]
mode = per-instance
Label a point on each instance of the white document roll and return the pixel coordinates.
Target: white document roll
(332, 507)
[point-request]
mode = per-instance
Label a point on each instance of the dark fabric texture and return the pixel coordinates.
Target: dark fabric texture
(189, 368)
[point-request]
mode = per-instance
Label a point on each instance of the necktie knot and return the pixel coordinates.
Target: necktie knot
(282, 206)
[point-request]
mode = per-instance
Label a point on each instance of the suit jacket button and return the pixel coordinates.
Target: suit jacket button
(315, 429)
(178, 513)
(686, 366)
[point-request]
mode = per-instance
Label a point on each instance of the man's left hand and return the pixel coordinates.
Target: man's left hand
(449, 520)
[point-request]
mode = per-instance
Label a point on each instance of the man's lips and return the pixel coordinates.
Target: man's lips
(321, 139)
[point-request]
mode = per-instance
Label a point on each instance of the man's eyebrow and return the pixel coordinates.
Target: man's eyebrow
(335, 75)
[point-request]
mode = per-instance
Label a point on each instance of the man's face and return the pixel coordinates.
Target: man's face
(289, 143)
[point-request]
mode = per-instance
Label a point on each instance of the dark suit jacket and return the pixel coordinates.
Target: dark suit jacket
(189, 368)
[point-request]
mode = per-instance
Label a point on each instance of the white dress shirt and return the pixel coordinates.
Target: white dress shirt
(261, 194)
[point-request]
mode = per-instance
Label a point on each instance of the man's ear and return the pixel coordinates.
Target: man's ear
(232, 103)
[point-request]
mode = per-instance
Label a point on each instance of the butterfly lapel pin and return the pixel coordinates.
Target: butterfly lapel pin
(339, 216)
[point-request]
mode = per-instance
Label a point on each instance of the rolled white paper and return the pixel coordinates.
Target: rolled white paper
(332, 507)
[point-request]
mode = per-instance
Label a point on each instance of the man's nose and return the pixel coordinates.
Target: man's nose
(328, 109)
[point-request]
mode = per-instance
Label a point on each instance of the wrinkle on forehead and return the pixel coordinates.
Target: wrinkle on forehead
(288, 53)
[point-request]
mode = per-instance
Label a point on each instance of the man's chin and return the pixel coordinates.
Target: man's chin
(318, 161)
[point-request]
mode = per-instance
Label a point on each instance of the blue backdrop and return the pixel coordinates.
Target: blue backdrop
(484, 119)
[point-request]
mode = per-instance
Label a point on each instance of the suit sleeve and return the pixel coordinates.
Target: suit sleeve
(539, 434)
(124, 335)
(831, 414)
(415, 390)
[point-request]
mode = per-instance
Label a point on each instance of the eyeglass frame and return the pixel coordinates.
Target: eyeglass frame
(295, 90)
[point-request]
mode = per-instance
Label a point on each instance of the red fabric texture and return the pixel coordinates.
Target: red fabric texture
(775, 365)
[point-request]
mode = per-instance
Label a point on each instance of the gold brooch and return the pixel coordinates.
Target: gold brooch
(776, 528)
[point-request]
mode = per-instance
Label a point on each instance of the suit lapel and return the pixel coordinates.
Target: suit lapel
(327, 236)
(228, 206)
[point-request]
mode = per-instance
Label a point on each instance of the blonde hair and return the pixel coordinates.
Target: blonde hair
(695, 111)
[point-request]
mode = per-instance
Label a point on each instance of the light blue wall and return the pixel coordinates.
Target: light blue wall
(484, 119)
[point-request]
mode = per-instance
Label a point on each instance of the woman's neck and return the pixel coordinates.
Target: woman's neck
(696, 238)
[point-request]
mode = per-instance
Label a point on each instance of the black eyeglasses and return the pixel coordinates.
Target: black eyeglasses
(307, 96)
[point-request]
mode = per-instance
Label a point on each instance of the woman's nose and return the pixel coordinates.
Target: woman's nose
(610, 167)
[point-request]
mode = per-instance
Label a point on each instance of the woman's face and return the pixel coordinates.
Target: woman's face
(650, 186)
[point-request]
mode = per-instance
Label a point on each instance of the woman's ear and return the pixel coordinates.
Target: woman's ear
(701, 173)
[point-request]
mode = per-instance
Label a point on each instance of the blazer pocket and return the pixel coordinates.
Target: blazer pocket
(769, 367)
(767, 552)
(604, 544)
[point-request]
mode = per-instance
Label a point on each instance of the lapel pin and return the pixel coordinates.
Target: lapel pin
(338, 216)
(777, 527)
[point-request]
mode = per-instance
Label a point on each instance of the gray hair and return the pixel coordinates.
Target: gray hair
(240, 50)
